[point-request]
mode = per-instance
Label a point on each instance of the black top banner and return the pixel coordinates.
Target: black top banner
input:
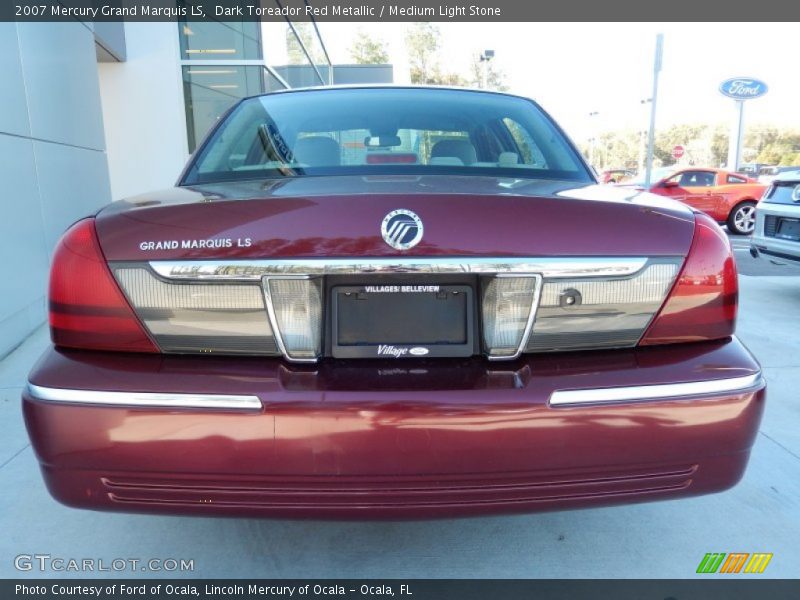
(408, 10)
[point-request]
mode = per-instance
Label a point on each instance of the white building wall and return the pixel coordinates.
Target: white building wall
(143, 111)
(52, 158)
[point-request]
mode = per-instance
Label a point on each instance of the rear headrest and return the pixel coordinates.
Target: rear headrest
(461, 149)
(318, 151)
(507, 159)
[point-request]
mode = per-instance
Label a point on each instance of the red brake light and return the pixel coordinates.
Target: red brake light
(87, 309)
(391, 158)
(702, 304)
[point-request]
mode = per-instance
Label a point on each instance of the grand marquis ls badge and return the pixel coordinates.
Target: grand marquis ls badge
(402, 229)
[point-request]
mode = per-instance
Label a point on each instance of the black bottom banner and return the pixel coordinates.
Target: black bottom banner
(411, 589)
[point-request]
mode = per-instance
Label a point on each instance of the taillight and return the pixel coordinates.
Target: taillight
(507, 305)
(87, 309)
(702, 304)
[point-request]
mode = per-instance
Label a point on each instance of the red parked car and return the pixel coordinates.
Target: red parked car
(616, 175)
(728, 198)
(297, 331)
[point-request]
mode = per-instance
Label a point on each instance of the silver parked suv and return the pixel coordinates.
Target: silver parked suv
(777, 232)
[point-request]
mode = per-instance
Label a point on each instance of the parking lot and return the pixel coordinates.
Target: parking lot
(658, 540)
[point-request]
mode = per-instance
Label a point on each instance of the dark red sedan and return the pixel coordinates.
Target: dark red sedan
(395, 303)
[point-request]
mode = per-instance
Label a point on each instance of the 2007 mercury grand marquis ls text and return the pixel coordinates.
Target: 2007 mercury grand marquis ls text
(395, 303)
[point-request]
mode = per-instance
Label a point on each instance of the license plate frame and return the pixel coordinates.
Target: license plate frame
(402, 320)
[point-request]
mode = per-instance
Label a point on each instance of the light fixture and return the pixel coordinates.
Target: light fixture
(294, 304)
(509, 303)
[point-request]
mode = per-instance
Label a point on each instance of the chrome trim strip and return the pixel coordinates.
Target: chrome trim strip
(642, 393)
(254, 270)
(537, 294)
(145, 399)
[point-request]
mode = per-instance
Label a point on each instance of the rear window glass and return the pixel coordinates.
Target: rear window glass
(784, 192)
(375, 131)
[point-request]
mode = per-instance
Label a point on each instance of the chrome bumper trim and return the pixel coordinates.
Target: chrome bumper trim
(643, 393)
(144, 399)
(255, 270)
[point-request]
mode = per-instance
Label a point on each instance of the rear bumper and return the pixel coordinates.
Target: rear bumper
(392, 439)
(774, 249)
(775, 253)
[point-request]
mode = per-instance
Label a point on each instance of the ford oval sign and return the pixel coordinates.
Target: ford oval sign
(743, 88)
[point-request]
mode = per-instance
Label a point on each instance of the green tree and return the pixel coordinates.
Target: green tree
(422, 45)
(366, 50)
(294, 51)
(495, 78)
(447, 78)
(719, 145)
(614, 150)
(758, 137)
(706, 145)
(677, 135)
(769, 155)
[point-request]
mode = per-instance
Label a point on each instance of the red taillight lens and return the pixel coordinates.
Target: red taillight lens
(87, 309)
(702, 304)
(397, 157)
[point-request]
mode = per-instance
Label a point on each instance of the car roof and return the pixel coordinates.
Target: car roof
(696, 168)
(711, 170)
(788, 175)
(387, 86)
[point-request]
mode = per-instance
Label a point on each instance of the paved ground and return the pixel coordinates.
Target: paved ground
(757, 267)
(665, 539)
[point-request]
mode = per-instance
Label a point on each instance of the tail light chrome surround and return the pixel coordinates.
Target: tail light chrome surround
(298, 339)
(508, 307)
(510, 296)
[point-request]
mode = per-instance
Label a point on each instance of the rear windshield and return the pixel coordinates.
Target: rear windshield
(386, 131)
(784, 192)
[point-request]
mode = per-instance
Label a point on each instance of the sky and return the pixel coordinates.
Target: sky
(573, 69)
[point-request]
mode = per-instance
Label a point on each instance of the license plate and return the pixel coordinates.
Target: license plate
(788, 229)
(402, 321)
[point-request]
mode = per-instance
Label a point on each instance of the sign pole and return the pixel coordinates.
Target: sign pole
(740, 89)
(651, 135)
(737, 131)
